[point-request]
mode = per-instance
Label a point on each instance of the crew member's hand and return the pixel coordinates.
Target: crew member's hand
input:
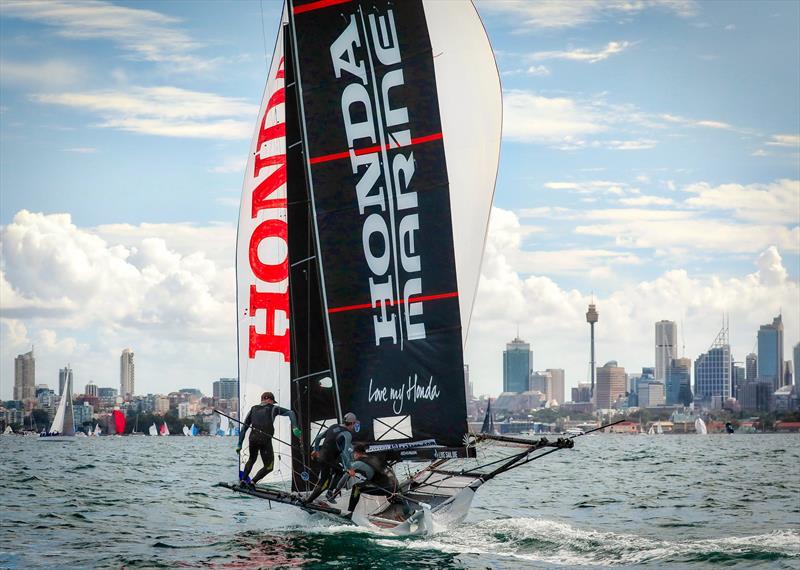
(315, 454)
(297, 433)
(351, 472)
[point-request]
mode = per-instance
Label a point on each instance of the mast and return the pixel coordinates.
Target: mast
(310, 186)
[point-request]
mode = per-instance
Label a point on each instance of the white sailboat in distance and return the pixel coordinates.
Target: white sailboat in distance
(63, 426)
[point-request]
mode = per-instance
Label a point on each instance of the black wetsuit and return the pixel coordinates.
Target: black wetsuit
(262, 418)
(335, 453)
(379, 480)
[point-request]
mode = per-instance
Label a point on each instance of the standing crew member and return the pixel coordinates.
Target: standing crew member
(261, 420)
(333, 449)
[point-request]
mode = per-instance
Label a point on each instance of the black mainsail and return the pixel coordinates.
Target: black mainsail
(380, 203)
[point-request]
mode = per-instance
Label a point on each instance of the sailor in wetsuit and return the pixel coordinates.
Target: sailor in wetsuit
(373, 475)
(333, 449)
(261, 420)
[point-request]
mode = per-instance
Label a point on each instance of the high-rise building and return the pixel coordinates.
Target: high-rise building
(756, 396)
(539, 382)
(25, 376)
(712, 370)
(468, 384)
(737, 380)
(666, 341)
(651, 394)
(226, 389)
(796, 359)
(787, 373)
(751, 367)
(91, 389)
(679, 382)
(64, 376)
(556, 391)
(126, 374)
(611, 382)
(517, 366)
(770, 352)
(582, 394)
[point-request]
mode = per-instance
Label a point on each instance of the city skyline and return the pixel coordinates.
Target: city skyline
(637, 171)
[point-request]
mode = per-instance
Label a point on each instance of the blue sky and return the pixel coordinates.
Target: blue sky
(651, 158)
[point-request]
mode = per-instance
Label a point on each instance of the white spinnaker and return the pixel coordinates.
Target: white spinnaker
(471, 110)
(265, 371)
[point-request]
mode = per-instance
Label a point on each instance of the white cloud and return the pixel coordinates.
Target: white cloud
(585, 55)
(553, 318)
(707, 123)
(144, 34)
(790, 141)
(50, 74)
(81, 149)
(777, 202)
(164, 111)
(558, 14)
(642, 144)
(591, 187)
(647, 201)
(528, 117)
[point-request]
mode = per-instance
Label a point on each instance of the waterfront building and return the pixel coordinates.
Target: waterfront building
(770, 352)
(161, 405)
(678, 382)
(91, 390)
(556, 389)
(25, 376)
(226, 389)
(126, 374)
(64, 376)
(787, 373)
(611, 381)
(712, 371)
(757, 396)
(751, 367)
(45, 398)
(666, 341)
(184, 410)
(83, 413)
(517, 366)
(518, 402)
(785, 399)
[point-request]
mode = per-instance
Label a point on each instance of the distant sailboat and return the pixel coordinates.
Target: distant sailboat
(488, 419)
(186, 431)
(194, 430)
(659, 429)
(700, 426)
(153, 429)
(8, 431)
(224, 424)
(63, 426)
(651, 431)
(164, 429)
(96, 431)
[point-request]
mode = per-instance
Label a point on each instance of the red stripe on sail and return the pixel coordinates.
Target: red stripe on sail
(369, 149)
(397, 302)
(317, 5)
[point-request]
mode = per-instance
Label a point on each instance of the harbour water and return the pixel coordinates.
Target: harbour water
(626, 501)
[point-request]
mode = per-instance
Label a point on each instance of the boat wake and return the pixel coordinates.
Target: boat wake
(548, 542)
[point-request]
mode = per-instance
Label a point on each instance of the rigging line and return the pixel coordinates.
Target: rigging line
(263, 34)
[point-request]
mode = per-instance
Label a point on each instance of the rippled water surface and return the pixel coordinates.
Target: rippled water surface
(630, 501)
